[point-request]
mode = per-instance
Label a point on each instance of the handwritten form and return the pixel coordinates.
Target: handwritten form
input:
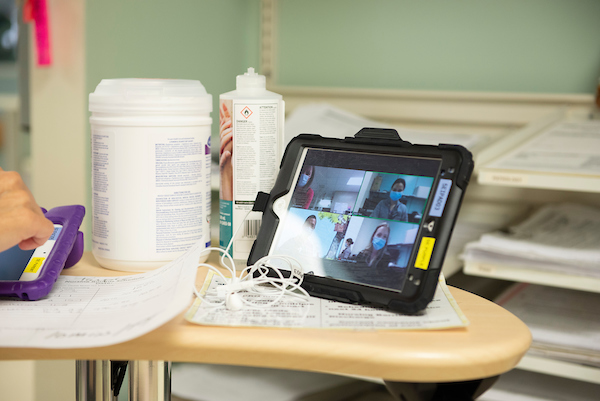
(442, 313)
(85, 312)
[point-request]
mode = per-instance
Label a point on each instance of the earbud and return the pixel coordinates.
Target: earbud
(234, 301)
(253, 280)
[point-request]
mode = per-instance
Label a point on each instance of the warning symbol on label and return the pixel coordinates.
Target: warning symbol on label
(246, 112)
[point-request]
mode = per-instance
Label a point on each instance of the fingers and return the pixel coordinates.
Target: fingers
(34, 242)
(226, 140)
(225, 128)
(21, 219)
(225, 124)
(224, 111)
(224, 159)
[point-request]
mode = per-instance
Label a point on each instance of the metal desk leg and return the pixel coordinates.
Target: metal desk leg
(93, 380)
(150, 380)
(460, 391)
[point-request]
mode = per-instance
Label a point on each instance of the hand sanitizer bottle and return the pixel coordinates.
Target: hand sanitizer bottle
(251, 146)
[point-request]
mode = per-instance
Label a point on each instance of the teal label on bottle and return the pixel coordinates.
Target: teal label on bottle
(225, 223)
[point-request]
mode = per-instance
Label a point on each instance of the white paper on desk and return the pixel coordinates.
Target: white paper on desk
(442, 313)
(85, 312)
(330, 121)
(571, 147)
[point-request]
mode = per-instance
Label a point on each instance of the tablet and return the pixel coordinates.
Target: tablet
(19, 265)
(369, 218)
(31, 274)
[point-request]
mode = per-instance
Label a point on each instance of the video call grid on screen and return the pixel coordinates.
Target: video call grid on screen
(341, 201)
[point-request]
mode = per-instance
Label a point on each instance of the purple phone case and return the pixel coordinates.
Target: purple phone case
(66, 252)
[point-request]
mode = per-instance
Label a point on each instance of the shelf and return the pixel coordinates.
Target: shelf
(560, 368)
(570, 140)
(475, 219)
(582, 283)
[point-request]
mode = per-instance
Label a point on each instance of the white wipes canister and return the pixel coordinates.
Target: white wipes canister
(150, 171)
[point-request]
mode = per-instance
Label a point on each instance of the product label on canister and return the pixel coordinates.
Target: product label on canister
(151, 191)
(180, 193)
(249, 162)
(102, 166)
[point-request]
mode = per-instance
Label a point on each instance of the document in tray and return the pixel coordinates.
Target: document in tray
(564, 323)
(563, 238)
(442, 313)
(85, 312)
(327, 120)
(569, 147)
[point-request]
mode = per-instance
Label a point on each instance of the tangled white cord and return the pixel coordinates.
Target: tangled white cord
(254, 280)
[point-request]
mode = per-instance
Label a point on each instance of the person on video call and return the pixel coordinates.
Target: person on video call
(303, 193)
(347, 252)
(21, 219)
(304, 244)
(375, 254)
(391, 208)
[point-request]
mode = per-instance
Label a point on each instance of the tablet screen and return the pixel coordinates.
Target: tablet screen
(16, 264)
(355, 216)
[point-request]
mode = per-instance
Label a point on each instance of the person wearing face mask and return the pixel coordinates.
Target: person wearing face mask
(303, 193)
(304, 246)
(375, 254)
(392, 208)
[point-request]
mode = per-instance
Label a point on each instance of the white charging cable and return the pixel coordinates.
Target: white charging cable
(254, 287)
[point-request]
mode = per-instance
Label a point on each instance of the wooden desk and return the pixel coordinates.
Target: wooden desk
(492, 344)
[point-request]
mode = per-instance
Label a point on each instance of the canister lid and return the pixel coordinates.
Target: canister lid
(156, 95)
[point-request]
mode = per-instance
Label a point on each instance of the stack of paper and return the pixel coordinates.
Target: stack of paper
(329, 121)
(474, 220)
(563, 238)
(564, 324)
(564, 156)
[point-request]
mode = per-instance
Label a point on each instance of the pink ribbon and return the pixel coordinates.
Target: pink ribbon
(37, 11)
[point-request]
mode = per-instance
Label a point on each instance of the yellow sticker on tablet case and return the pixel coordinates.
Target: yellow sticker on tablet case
(425, 251)
(34, 265)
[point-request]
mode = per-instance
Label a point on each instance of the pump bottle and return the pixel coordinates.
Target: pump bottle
(251, 146)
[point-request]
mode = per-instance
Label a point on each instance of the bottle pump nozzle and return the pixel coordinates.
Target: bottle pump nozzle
(250, 80)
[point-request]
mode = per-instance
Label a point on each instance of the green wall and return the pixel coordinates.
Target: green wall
(208, 40)
(543, 46)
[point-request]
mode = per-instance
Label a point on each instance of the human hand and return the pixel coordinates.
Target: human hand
(225, 128)
(225, 153)
(21, 219)
(226, 171)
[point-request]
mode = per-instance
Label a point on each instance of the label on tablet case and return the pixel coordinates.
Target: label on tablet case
(34, 265)
(440, 198)
(425, 251)
(55, 233)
